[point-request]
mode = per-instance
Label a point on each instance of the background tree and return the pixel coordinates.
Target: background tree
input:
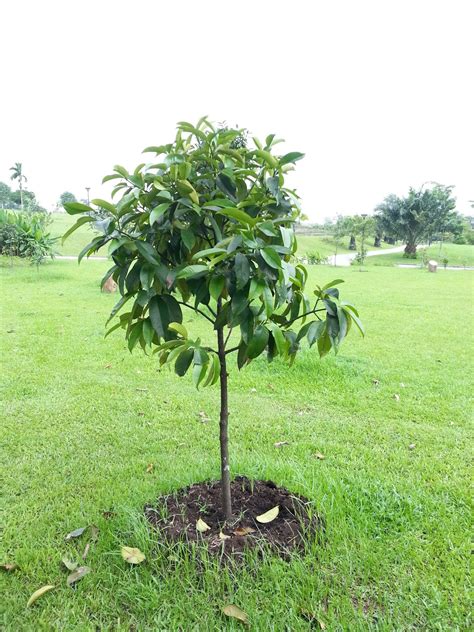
(5, 193)
(419, 216)
(17, 174)
(65, 197)
(209, 226)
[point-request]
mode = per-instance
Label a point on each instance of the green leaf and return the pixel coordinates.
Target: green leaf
(118, 306)
(239, 215)
(147, 251)
(315, 330)
(332, 284)
(242, 270)
(189, 238)
(134, 335)
(105, 205)
(148, 332)
(216, 285)
(78, 224)
(74, 208)
(207, 252)
(183, 362)
(158, 211)
(214, 371)
(258, 342)
(291, 157)
(268, 158)
(191, 271)
(122, 171)
(199, 371)
(352, 315)
(271, 257)
(256, 288)
(180, 329)
(159, 316)
(227, 186)
(268, 301)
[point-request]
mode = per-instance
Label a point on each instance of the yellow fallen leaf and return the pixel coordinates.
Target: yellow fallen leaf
(201, 526)
(269, 515)
(132, 555)
(223, 536)
(149, 468)
(319, 456)
(236, 613)
(244, 530)
(37, 594)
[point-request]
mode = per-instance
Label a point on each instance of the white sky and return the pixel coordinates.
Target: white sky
(378, 94)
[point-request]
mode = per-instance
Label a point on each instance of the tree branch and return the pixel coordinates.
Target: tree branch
(195, 309)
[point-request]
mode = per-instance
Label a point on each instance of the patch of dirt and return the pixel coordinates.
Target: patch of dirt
(176, 515)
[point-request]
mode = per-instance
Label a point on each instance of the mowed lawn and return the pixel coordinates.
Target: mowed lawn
(460, 255)
(83, 419)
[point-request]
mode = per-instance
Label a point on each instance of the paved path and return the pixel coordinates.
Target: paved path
(346, 258)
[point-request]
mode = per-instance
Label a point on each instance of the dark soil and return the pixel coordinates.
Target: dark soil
(176, 515)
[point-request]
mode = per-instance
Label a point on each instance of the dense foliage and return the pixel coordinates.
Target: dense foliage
(423, 214)
(26, 235)
(209, 226)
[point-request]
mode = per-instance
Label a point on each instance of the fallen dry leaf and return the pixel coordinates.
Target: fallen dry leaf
(78, 574)
(253, 390)
(402, 385)
(9, 567)
(236, 613)
(132, 555)
(318, 455)
(279, 444)
(312, 618)
(376, 382)
(203, 417)
(244, 530)
(142, 390)
(149, 468)
(109, 514)
(76, 533)
(201, 526)
(94, 533)
(69, 564)
(223, 536)
(86, 550)
(38, 593)
(396, 397)
(108, 366)
(412, 446)
(269, 515)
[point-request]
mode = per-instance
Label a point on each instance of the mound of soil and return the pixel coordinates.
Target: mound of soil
(176, 517)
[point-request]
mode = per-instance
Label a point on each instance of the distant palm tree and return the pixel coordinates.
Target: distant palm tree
(18, 175)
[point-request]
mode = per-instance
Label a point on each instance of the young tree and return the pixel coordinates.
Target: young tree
(208, 226)
(419, 216)
(17, 174)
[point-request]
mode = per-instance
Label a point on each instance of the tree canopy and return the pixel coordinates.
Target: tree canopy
(419, 216)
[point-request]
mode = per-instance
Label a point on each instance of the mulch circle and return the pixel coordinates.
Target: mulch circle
(176, 516)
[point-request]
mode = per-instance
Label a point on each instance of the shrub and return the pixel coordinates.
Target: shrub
(25, 235)
(315, 258)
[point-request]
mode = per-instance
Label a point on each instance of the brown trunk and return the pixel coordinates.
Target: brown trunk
(352, 243)
(410, 250)
(377, 241)
(224, 422)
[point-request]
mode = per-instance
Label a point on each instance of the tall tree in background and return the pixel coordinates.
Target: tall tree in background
(66, 197)
(5, 193)
(419, 216)
(17, 174)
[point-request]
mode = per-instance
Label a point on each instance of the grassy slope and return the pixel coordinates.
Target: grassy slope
(457, 255)
(79, 435)
(326, 246)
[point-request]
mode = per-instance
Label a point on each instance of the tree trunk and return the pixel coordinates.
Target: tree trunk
(224, 422)
(377, 241)
(410, 249)
(21, 195)
(352, 243)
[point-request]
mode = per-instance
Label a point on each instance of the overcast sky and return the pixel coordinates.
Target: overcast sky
(378, 94)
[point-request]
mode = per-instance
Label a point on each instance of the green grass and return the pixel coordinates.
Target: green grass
(76, 242)
(84, 418)
(457, 255)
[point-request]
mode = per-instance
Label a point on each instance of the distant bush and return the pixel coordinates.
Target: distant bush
(25, 235)
(314, 258)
